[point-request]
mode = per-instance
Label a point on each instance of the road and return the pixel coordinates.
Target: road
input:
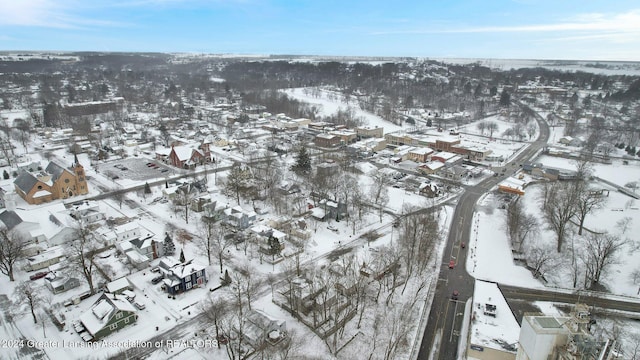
(442, 332)
(583, 297)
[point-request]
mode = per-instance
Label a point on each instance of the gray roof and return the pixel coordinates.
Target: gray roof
(25, 181)
(55, 170)
(10, 219)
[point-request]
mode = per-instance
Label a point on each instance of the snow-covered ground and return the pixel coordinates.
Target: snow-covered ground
(329, 106)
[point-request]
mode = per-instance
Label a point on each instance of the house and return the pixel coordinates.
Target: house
(124, 232)
(455, 172)
(52, 256)
(328, 209)
(198, 203)
(118, 286)
(55, 182)
(110, 313)
(214, 211)
(239, 217)
(429, 189)
(259, 328)
(58, 283)
(430, 168)
(88, 211)
(180, 277)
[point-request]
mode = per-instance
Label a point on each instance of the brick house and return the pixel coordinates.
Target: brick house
(327, 140)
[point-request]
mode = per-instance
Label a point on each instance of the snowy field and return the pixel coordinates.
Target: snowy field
(613, 67)
(490, 251)
(330, 106)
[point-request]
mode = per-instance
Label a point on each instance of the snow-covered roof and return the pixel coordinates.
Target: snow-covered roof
(117, 285)
(485, 329)
(104, 308)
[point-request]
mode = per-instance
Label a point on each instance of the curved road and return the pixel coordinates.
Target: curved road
(445, 318)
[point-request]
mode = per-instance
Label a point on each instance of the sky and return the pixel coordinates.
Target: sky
(506, 29)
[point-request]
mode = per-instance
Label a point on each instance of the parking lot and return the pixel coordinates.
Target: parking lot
(136, 169)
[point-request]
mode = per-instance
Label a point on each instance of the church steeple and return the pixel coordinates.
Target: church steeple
(75, 159)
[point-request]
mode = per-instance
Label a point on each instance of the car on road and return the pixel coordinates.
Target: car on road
(38, 275)
(452, 264)
(455, 295)
(463, 245)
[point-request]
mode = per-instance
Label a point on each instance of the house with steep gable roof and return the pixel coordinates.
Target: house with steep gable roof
(186, 157)
(180, 277)
(260, 328)
(110, 313)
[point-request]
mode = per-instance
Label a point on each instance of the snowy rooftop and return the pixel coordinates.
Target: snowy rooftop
(485, 329)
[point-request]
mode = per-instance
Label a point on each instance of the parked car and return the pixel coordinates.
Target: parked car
(38, 275)
(155, 269)
(139, 305)
(156, 279)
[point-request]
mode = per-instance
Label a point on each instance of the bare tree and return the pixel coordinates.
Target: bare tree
(599, 253)
(531, 129)
(81, 253)
(558, 207)
(210, 232)
(12, 248)
(214, 310)
(379, 191)
(519, 225)
(249, 284)
(185, 197)
(118, 196)
(492, 127)
(482, 126)
(541, 260)
(586, 202)
(27, 294)
(398, 326)
(419, 235)
(237, 181)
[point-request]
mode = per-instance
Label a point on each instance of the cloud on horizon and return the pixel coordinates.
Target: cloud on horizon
(627, 22)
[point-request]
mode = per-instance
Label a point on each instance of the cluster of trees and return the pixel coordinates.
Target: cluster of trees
(564, 207)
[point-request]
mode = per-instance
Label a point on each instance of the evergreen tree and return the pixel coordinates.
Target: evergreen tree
(169, 246)
(182, 259)
(505, 98)
(274, 245)
(147, 188)
(303, 161)
(227, 278)
(5, 175)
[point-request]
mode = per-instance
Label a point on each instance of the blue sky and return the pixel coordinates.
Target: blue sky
(514, 29)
